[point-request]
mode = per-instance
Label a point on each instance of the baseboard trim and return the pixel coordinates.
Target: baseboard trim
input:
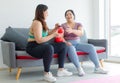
(113, 59)
(1, 69)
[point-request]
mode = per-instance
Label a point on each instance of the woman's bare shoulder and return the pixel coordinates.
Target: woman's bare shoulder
(36, 22)
(36, 25)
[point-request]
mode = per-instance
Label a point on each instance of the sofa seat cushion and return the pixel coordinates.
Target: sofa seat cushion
(24, 55)
(98, 50)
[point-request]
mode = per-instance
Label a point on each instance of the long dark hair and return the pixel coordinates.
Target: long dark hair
(71, 12)
(39, 15)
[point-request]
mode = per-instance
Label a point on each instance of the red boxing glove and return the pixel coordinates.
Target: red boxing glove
(59, 39)
(60, 30)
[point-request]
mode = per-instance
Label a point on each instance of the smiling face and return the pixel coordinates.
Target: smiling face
(45, 14)
(69, 16)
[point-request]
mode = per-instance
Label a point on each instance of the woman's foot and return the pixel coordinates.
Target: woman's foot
(63, 72)
(49, 77)
(100, 71)
(80, 71)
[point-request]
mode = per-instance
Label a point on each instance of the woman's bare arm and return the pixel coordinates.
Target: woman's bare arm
(37, 31)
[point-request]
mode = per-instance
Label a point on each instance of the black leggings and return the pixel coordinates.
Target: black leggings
(46, 51)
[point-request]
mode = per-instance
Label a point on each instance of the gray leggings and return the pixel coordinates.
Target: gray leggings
(77, 46)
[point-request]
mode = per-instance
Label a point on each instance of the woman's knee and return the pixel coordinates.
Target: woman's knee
(49, 49)
(63, 45)
(70, 48)
(91, 46)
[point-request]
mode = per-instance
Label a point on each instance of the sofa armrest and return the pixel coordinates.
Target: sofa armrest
(98, 42)
(8, 53)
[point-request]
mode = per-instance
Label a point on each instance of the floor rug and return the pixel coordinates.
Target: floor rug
(111, 79)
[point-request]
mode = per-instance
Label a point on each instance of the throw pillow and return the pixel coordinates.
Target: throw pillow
(12, 35)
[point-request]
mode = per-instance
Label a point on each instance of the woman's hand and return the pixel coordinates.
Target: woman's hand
(57, 25)
(68, 44)
(54, 30)
(69, 30)
(55, 33)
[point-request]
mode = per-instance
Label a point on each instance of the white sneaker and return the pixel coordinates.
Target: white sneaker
(64, 72)
(100, 71)
(49, 77)
(80, 71)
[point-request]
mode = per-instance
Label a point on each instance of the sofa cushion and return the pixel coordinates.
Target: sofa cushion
(12, 35)
(23, 31)
(100, 49)
(25, 56)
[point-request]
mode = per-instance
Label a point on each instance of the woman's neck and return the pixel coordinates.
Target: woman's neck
(71, 24)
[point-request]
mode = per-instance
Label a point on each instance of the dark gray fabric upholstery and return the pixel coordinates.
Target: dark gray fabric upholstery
(21, 53)
(8, 53)
(18, 36)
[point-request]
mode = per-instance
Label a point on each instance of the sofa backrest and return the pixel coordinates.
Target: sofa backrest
(23, 31)
(20, 35)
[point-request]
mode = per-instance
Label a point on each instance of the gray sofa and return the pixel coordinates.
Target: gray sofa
(13, 44)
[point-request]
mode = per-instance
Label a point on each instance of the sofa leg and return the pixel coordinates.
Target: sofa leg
(18, 73)
(81, 63)
(10, 69)
(101, 62)
(0, 69)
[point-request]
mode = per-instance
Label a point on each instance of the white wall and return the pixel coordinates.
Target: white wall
(19, 13)
(99, 18)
